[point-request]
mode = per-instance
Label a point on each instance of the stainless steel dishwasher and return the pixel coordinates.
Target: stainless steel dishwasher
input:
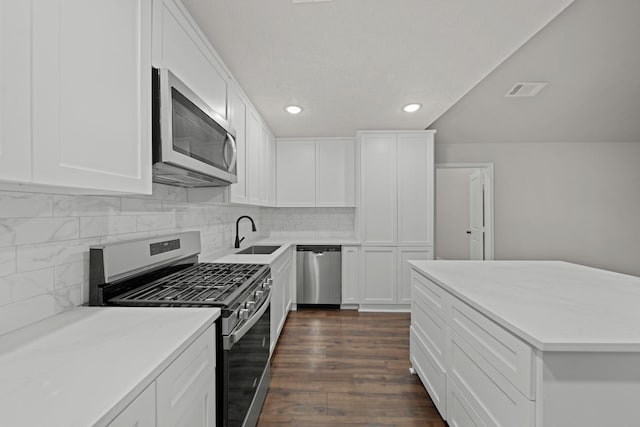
(319, 271)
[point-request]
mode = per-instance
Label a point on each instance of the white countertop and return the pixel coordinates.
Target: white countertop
(552, 305)
(82, 367)
(284, 243)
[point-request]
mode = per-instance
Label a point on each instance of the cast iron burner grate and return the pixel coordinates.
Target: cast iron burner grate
(201, 284)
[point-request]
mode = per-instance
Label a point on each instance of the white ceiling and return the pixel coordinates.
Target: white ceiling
(589, 55)
(352, 64)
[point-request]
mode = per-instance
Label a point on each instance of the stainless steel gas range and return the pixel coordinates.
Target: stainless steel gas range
(165, 272)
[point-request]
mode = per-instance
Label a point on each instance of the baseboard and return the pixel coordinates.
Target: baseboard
(385, 308)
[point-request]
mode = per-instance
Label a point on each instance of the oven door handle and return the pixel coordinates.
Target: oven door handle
(237, 335)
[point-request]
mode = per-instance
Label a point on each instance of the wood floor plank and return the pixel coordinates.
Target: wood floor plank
(345, 368)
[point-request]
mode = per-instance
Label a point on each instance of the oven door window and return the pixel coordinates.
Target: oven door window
(244, 364)
(197, 135)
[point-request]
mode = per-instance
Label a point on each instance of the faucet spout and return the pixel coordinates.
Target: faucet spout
(253, 228)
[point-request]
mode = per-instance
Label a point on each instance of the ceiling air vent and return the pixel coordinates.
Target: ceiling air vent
(526, 89)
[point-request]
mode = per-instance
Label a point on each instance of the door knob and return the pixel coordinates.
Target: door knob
(468, 231)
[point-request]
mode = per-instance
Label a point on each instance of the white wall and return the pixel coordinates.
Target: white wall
(578, 202)
(45, 240)
(452, 213)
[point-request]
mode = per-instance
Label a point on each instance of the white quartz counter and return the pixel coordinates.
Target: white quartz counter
(552, 305)
(82, 367)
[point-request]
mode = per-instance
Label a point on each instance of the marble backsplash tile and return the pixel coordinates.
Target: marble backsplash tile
(309, 222)
(45, 240)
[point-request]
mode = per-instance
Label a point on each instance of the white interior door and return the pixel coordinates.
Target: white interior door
(476, 215)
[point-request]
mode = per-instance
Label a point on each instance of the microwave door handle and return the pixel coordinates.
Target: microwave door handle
(234, 156)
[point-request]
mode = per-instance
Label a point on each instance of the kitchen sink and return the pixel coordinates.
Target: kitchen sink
(258, 250)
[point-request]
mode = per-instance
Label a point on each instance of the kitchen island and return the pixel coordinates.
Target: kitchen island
(527, 343)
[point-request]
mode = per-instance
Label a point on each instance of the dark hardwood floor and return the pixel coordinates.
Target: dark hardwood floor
(344, 368)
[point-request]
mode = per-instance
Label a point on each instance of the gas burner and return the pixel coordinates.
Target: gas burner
(201, 284)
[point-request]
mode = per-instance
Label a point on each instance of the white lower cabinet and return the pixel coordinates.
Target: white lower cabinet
(460, 412)
(186, 390)
(378, 268)
(184, 394)
(350, 255)
(403, 285)
(141, 412)
(281, 293)
(496, 401)
(476, 372)
(385, 275)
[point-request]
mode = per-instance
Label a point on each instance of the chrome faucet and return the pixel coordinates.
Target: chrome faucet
(253, 228)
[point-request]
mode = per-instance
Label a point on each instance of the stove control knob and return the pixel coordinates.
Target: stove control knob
(259, 295)
(250, 305)
(243, 314)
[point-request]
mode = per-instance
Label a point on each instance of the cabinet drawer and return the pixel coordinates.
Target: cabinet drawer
(431, 329)
(426, 293)
(429, 370)
(489, 394)
(507, 354)
(460, 414)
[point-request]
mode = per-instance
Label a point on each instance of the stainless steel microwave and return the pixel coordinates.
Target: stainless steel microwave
(193, 146)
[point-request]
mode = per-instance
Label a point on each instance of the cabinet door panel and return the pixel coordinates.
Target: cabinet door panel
(350, 274)
(277, 302)
(272, 170)
(378, 275)
(264, 166)
(141, 412)
(335, 165)
(186, 389)
(415, 190)
(254, 134)
(15, 87)
(237, 121)
(429, 370)
(91, 116)
(404, 270)
(460, 413)
(296, 173)
(378, 190)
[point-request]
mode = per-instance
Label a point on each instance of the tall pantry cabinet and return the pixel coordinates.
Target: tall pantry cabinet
(395, 213)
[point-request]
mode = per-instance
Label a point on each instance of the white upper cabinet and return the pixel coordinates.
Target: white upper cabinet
(237, 120)
(267, 166)
(180, 46)
(315, 172)
(271, 199)
(296, 173)
(253, 137)
(92, 94)
(76, 94)
(396, 188)
(15, 87)
(378, 205)
(415, 189)
(335, 172)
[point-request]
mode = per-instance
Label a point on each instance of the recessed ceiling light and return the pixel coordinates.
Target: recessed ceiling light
(411, 108)
(293, 109)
